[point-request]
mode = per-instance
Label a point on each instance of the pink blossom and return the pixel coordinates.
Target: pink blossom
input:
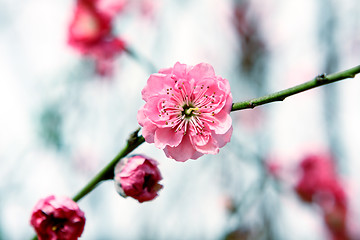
(57, 218)
(318, 178)
(138, 177)
(319, 184)
(88, 26)
(186, 111)
(90, 32)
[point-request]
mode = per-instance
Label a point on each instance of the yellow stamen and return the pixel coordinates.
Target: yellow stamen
(189, 110)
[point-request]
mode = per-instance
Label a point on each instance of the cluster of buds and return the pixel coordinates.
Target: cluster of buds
(320, 184)
(90, 32)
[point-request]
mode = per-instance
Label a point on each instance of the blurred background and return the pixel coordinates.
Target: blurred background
(70, 89)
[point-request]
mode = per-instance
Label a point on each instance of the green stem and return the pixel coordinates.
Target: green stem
(108, 171)
(281, 95)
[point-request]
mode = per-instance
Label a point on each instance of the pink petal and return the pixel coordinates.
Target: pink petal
(209, 148)
(201, 71)
(223, 84)
(167, 137)
(180, 70)
(196, 155)
(156, 84)
(222, 139)
(141, 117)
(182, 152)
(200, 139)
(222, 122)
(148, 130)
(166, 70)
(152, 111)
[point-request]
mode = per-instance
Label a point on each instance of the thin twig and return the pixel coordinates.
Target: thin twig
(281, 95)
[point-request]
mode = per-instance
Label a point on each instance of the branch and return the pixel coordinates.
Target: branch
(281, 95)
(141, 59)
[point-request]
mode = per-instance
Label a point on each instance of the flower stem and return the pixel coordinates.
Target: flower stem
(281, 95)
(141, 59)
(108, 171)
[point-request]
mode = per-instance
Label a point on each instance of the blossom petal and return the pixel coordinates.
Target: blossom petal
(223, 139)
(182, 152)
(209, 148)
(167, 136)
(149, 128)
(180, 70)
(201, 71)
(156, 84)
(222, 122)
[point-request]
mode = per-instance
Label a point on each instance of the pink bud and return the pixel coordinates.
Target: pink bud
(138, 177)
(57, 218)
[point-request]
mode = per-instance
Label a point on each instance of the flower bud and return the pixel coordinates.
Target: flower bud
(57, 218)
(137, 177)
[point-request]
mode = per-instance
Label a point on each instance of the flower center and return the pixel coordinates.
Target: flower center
(56, 223)
(189, 111)
(188, 108)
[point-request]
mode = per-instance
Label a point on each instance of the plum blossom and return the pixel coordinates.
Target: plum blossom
(57, 218)
(90, 32)
(318, 179)
(186, 111)
(88, 26)
(320, 184)
(138, 177)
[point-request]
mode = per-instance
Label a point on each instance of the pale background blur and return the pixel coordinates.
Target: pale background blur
(60, 123)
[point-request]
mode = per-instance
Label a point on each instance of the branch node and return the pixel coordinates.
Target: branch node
(321, 78)
(352, 75)
(133, 137)
(281, 98)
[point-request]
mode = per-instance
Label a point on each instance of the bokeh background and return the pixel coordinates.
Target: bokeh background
(61, 121)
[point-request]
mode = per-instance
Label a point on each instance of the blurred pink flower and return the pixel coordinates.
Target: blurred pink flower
(57, 218)
(90, 32)
(88, 26)
(319, 184)
(138, 177)
(186, 111)
(318, 178)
